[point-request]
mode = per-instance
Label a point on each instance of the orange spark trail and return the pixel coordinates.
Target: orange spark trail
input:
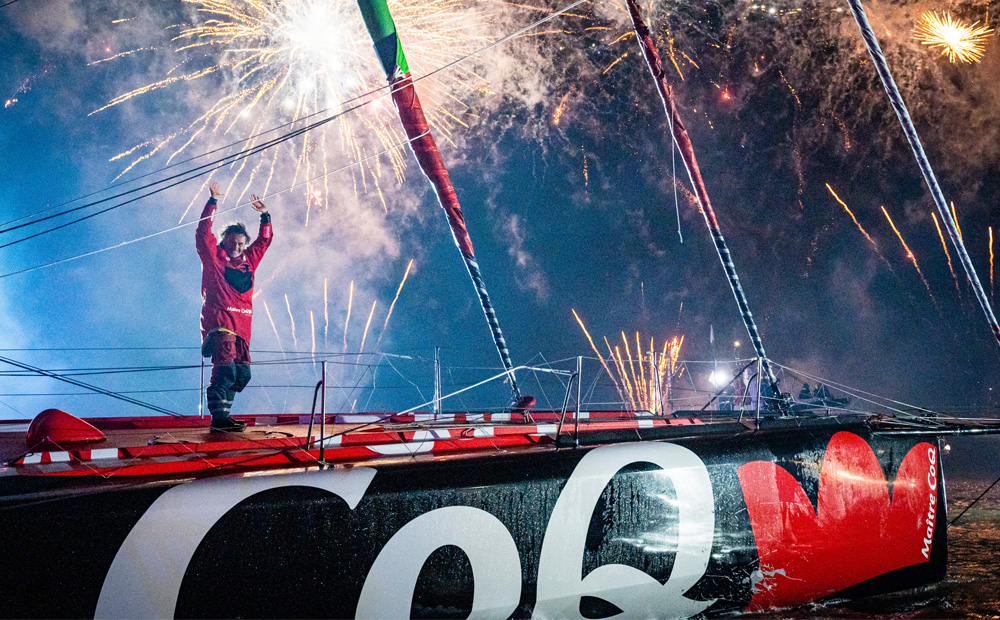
(629, 391)
(909, 253)
(991, 264)
(367, 325)
(393, 304)
(350, 302)
(946, 253)
(954, 215)
(620, 368)
(295, 340)
(557, 115)
(642, 369)
(617, 60)
(631, 365)
(856, 222)
(599, 356)
(276, 336)
(670, 53)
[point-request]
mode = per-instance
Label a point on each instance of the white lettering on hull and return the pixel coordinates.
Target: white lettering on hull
(146, 574)
(635, 592)
(496, 566)
(932, 503)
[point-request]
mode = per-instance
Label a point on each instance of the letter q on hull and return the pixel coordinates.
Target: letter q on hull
(635, 592)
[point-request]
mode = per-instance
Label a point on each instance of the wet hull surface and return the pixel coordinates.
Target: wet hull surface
(643, 529)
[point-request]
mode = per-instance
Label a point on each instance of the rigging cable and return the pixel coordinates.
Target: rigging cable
(896, 99)
(673, 172)
(94, 388)
(183, 225)
(200, 170)
(973, 503)
(391, 88)
(259, 148)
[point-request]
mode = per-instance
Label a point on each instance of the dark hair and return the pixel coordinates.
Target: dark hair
(236, 229)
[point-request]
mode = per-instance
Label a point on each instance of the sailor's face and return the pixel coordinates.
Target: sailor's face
(234, 245)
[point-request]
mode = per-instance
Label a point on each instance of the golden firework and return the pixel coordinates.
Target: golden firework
(953, 37)
(270, 63)
(647, 389)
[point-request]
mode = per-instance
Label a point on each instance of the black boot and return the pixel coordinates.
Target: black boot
(227, 424)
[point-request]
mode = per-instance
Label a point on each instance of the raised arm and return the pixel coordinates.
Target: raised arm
(204, 239)
(256, 250)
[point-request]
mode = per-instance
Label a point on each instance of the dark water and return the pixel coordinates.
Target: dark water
(972, 586)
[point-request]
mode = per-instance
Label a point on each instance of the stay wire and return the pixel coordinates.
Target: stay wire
(973, 503)
(191, 174)
(221, 148)
(391, 88)
(94, 388)
(185, 224)
(183, 161)
(248, 153)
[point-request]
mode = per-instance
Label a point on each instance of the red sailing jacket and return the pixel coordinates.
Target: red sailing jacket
(227, 285)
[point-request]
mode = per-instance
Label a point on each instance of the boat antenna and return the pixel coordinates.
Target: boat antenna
(389, 49)
(683, 142)
(896, 99)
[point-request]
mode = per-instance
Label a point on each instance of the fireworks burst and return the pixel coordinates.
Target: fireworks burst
(953, 37)
(647, 388)
(282, 61)
(646, 393)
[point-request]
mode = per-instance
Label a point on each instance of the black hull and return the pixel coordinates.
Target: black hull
(652, 529)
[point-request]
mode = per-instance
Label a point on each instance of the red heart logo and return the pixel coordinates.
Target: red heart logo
(856, 531)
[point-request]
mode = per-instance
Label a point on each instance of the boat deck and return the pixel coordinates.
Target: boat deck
(158, 446)
(144, 446)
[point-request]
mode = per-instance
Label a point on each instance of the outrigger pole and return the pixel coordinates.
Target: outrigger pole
(683, 142)
(896, 99)
(389, 49)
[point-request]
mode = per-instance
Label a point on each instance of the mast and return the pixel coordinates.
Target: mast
(389, 49)
(683, 142)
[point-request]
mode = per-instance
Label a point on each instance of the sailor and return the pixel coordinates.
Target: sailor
(227, 271)
(805, 394)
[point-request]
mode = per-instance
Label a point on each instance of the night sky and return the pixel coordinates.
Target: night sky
(780, 99)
